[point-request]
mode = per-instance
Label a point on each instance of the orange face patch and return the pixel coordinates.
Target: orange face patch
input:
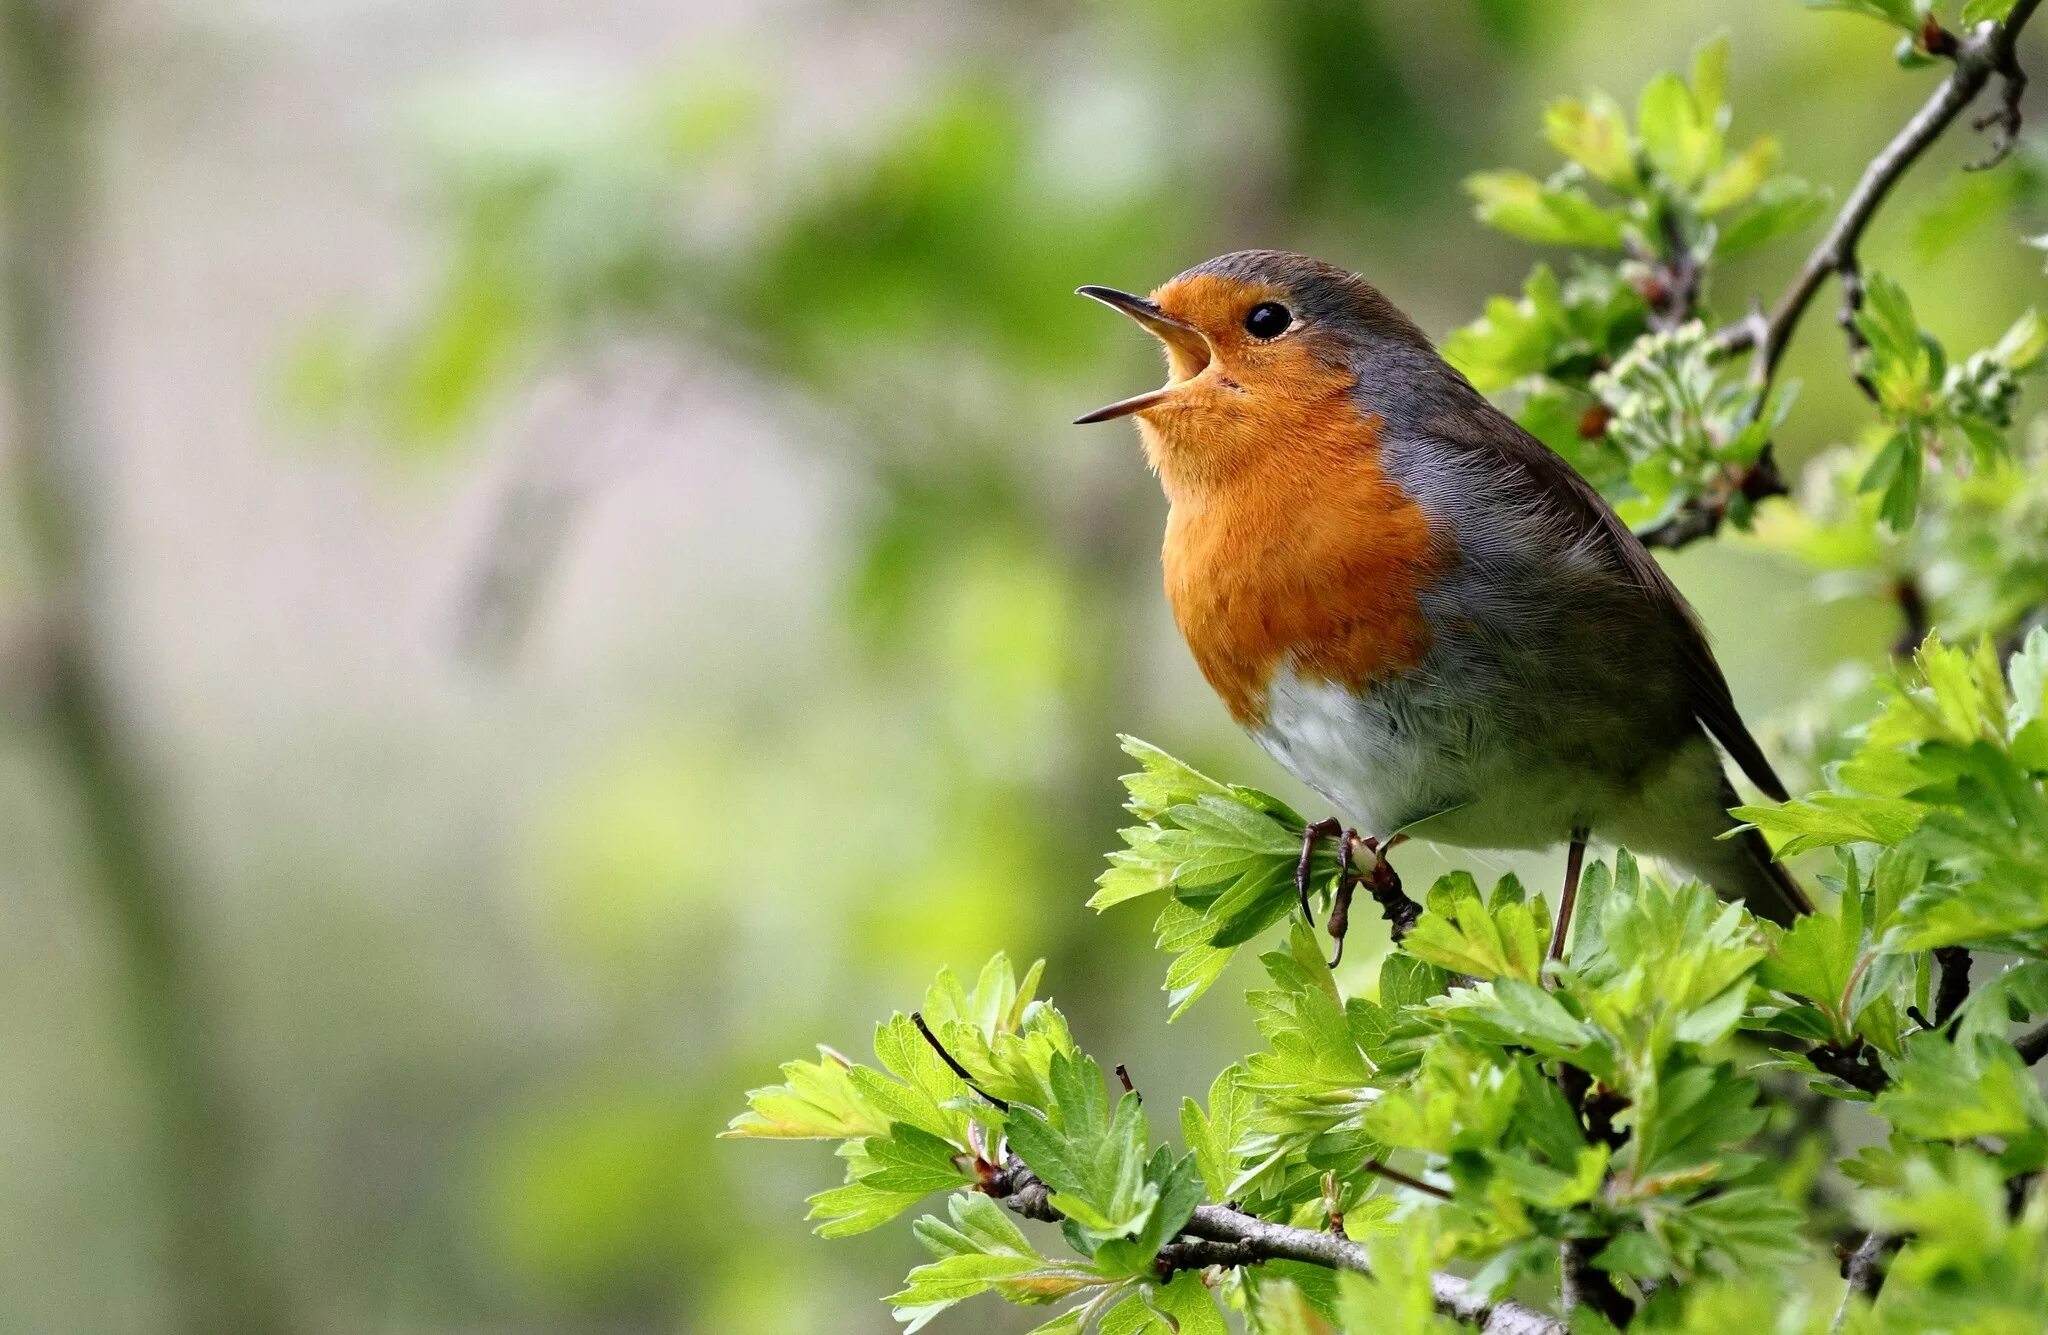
(1287, 543)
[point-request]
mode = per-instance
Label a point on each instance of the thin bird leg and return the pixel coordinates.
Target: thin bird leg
(1329, 825)
(1573, 861)
(1347, 882)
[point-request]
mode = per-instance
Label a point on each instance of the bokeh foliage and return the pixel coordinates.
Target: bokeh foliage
(928, 778)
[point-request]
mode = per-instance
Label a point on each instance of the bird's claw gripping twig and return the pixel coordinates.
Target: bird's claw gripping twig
(1380, 880)
(1315, 830)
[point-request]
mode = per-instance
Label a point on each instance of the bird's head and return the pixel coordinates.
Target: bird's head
(1261, 347)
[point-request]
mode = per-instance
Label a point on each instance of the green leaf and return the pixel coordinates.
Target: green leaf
(1962, 1090)
(1896, 473)
(1971, 1263)
(1679, 142)
(816, 1101)
(1594, 134)
(1710, 80)
(1212, 1136)
(1396, 1295)
(980, 1251)
(1091, 1157)
(1826, 820)
(1458, 933)
(1740, 177)
(1781, 206)
(1985, 11)
(1905, 15)
(1520, 205)
(1690, 1118)
(1816, 959)
(2022, 347)
(1162, 782)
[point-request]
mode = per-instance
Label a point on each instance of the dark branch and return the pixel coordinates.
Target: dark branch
(1380, 1169)
(1001, 1105)
(1864, 1269)
(1582, 1285)
(2033, 1045)
(1855, 1065)
(1913, 612)
(1984, 54)
(1201, 1253)
(2003, 120)
(1222, 1235)
(1953, 990)
(1702, 516)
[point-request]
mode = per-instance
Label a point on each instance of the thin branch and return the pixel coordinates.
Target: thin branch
(1855, 1065)
(1702, 516)
(1279, 1242)
(953, 1064)
(1583, 1285)
(1953, 990)
(1865, 1272)
(1378, 1168)
(2033, 1045)
(1201, 1253)
(1986, 53)
(1223, 1235)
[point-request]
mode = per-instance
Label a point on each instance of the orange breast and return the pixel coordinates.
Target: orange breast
(1306, 554)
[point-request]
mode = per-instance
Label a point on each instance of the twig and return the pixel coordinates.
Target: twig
(2033, 1045)
(1279, 1242)
(1383, 883)
(1201, 1253)
(1123, 1077)
(1580, 1284)
(2003, 120)
(1702, 516)
(1000, 1105)
(1913, 611)
(1865, 1273)
(1378, 1168)
(1986, 52)
(1223, 1235)
(1855, 1065)
(1954, 987)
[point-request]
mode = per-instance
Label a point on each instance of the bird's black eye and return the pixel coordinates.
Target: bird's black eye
(1268, 319)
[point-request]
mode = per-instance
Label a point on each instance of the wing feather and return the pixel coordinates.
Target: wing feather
(1575, 505)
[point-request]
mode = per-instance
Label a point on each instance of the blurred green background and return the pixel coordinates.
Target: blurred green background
(588, 588)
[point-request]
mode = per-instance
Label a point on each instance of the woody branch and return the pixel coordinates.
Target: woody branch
(1220, 1235)
(1987, 52)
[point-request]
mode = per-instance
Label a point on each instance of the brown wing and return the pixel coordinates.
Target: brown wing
(1489, 431)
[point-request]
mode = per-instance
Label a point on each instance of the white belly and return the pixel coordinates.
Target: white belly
(1417, 758)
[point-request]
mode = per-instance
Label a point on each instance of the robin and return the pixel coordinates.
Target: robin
(1414, 605)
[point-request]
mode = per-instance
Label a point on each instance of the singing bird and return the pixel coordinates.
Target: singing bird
(1414, 605)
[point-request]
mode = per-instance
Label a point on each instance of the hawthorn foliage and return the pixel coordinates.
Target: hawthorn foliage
(1681, 1118)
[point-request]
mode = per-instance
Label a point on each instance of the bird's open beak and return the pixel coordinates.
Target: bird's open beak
(1189, 349)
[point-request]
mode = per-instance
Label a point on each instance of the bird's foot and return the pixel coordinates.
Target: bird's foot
(1380, 880)
(1316, 830)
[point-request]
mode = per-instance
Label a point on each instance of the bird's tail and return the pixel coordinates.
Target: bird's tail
(1761, 881)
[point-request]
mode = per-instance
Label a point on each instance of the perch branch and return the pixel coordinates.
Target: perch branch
(1864, 1269)
(1226, 1236)
(1986, 53)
